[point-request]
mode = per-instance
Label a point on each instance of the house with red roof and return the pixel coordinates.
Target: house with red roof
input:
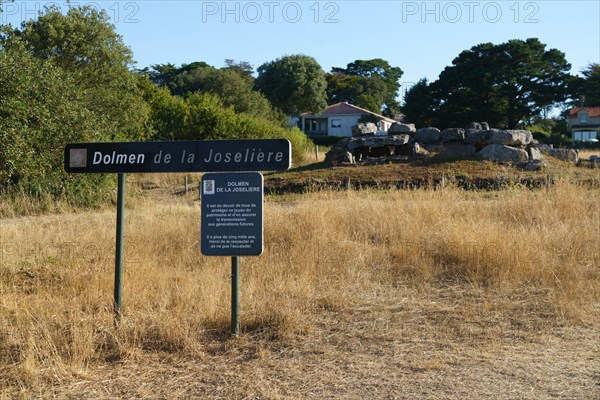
(584, 123)
(338, 120)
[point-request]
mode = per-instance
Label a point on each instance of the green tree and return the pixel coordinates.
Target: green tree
(166, 74)
(361, 91)
(417, 107)
(237, 91)
(85, 44)
(231, 84)
(242, 68)
(209, 119)
(41, 109)
(64, 78)
(168, 112)
(192, 81)
(342, 87)
(506, 85)
(203, 116)
(585, 91)
(371, 84)
(294, 84)
(161, 74)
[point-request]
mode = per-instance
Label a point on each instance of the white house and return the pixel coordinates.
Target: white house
(338, 120)
(584, 123)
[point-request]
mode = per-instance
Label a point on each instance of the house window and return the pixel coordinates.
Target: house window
(585, 135)
(583, 118)
(336, 123)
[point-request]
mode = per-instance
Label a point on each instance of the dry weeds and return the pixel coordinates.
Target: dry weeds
(368, 294)
(587, 153)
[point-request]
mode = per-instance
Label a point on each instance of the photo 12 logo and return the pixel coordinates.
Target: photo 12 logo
(470, 11)
(119, 12)
(251, 12)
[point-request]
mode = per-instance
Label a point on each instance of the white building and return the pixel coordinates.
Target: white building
(338, 120)
(584, 124)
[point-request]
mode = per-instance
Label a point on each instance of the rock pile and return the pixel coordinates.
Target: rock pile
(359, 148)
(398, 128)
(477, 140)
(569, 155)
(366, 128)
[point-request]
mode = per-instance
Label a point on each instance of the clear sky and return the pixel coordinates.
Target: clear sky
(421, 37)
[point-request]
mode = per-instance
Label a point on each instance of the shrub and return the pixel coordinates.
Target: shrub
(42, 110)
(203, 117)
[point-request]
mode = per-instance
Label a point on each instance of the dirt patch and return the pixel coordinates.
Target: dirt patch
(400, 344)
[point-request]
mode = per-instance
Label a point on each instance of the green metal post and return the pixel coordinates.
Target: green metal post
(119, 246)
(235, 289)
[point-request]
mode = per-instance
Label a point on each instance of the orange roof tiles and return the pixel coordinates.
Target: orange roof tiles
(594, 111)
(345, 108)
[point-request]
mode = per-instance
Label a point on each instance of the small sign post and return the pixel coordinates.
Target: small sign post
(232, 223)
(118, 287)
(235, 295)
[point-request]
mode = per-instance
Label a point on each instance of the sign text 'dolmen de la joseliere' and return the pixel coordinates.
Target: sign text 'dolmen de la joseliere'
(179, 156)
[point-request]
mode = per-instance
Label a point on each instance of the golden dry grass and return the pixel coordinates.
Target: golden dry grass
(359, 294)
(586, 153)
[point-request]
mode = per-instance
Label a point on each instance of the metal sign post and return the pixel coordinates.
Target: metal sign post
(119, 247)
(235, 295)
(237, 234)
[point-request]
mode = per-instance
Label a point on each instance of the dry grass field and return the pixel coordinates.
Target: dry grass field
(586, 153)
(415, 294)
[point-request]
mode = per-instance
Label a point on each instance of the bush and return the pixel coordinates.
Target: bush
(203, 117)
(63, 78)
(558, 140)
(42, 110)
(326, 140)
(209, 119)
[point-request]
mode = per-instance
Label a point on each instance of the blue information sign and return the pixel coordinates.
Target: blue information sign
(232, 214)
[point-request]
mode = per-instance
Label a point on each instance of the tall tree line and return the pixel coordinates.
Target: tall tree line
(70, 78)
(63, 78)
(508, 85)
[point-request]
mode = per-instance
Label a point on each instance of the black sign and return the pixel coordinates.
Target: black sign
(232, 214)
(179, 156)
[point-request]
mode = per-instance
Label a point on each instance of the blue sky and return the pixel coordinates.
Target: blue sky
(419, 37)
